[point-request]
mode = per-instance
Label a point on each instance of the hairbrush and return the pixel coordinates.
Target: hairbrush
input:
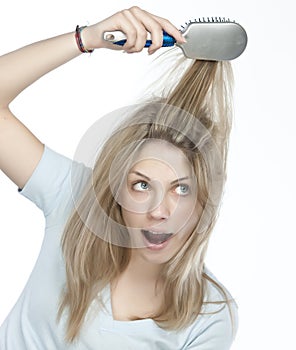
(210, 38)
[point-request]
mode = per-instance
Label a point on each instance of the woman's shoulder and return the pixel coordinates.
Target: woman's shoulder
(55, 180)
(215, 290)
(220, 310)
(216, 295)
(216, 325)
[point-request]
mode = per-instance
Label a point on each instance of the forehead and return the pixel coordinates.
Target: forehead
(158, 155)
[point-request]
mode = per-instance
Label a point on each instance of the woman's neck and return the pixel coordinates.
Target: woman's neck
(143, 269)
(142, 272)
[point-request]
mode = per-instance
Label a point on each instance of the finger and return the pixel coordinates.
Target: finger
(156, 38)
(115, 22)
(119, 21)
(170, 28)
(128, 27)
(151, 25)
(139, 40)
(155, 25)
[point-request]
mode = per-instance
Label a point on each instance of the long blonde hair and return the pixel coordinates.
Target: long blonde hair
(195, 116)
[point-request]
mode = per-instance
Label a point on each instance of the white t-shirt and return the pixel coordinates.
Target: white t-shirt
(32, 325)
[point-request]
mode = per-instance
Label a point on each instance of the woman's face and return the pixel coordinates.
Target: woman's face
(159, 201)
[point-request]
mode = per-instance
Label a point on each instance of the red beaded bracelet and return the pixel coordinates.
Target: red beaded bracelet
(79, 40)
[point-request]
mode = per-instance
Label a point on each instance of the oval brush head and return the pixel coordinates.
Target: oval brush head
(215, 39)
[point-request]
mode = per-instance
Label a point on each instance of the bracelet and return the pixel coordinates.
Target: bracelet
(79, 40)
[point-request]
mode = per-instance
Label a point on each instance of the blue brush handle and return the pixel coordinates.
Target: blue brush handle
(168, 40)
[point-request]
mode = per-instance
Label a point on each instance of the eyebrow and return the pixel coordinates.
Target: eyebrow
(148, 178)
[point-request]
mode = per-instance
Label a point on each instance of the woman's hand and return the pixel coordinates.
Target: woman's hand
(134, 23)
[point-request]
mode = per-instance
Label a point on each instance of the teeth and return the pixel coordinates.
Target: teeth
(157, 233)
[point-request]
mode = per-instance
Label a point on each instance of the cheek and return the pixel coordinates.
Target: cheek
(127, 216)
(132, 202)
(186, 217)
(185, 209)
(130, 218)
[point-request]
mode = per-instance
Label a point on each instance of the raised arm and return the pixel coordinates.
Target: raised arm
(20, 150)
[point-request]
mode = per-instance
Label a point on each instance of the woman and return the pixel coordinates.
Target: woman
(122, 263)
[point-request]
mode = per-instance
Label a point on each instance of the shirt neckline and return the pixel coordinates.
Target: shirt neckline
(124, 325)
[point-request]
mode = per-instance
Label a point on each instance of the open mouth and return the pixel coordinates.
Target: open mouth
(156, 237)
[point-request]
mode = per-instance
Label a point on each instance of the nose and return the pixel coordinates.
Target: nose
(160, 210)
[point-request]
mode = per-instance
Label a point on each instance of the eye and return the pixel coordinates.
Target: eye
(140, 186)
(182, 190)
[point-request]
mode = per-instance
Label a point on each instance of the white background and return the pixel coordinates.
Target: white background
(252, 249)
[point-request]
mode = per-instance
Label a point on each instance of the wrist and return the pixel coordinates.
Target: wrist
(82, 39)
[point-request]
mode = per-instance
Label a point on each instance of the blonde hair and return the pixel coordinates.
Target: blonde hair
(195, 116)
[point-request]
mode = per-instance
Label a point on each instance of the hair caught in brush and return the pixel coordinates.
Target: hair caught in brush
(194, 114)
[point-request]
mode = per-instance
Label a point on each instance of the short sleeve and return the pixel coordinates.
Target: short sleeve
(50, 185)
(218, 330)
(218, 323)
